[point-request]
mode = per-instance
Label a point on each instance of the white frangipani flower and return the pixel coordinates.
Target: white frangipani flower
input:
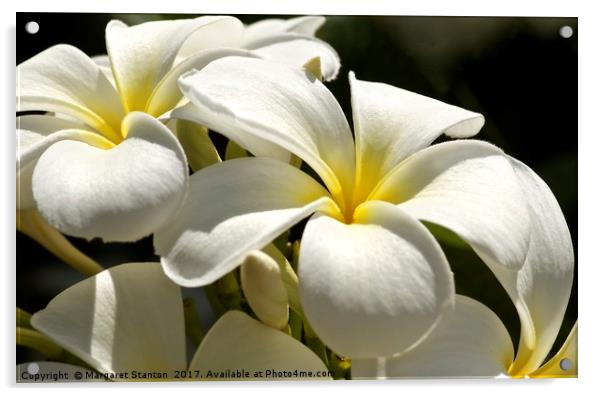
(130, 318)
(104, 166)
(471, 342)
(107, 168)
(373, 281)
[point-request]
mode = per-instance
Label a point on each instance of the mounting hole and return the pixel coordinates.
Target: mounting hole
(33, 368)
(566, 364)
(566, 32)
(32, 27)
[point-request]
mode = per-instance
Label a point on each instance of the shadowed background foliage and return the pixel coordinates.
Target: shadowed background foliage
(521, 73)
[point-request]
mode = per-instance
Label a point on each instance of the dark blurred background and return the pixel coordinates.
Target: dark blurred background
(521, 73)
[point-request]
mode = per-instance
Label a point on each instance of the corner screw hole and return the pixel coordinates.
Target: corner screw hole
(32, 27)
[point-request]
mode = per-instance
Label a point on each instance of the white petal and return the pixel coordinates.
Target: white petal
(225, 31)
(39, 126)
(391, 124)
(264, 289)
(237, 342)
(543, 286)
(121, 194)
(306, 25)
(274, 102)
(295, 50)
(167, 94)
(141, 55)
(469, 187)
(65, 80)
(232, 208)
(104, 63)
(509, 217)
(375, 287)
(129, 317)
(258, 146)
(35, 133)
(470, 342)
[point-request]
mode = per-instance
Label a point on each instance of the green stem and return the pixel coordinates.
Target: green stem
(295, 255)
(296, 325)
(194, 328)
(32, 339)
(229, 292)
(340, 367)
(31, 224)
(281, 242)
(198, 147)
(216, 305)
(314, 343)
(23, 318)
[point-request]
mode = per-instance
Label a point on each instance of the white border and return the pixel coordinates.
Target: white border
(590, 199)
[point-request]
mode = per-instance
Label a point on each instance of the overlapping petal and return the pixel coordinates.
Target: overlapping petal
(375, 287)
(391, 124)
(470, 188)
(306, 25)
(511, 219)
(258, 146)
(129, 317)
(63, 79)
(104, 63)
(471, 341)
(296, 50)
(274, 102)
(120, 194)
(223, 32)
(292, 41)
(141, 55)
(35, 133)
(237, 342)
(167, 94)
(232, 208)
(541, 289)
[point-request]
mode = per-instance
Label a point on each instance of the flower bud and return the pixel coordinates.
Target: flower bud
(264, 289)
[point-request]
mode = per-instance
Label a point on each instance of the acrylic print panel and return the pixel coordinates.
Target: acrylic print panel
(262, 197)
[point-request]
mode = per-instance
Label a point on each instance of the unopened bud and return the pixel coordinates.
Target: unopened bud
(264, 289)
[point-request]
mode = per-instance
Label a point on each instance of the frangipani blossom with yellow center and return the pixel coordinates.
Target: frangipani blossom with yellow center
(103, 165)
(373, 281)
(471, 342)
(130, 318)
